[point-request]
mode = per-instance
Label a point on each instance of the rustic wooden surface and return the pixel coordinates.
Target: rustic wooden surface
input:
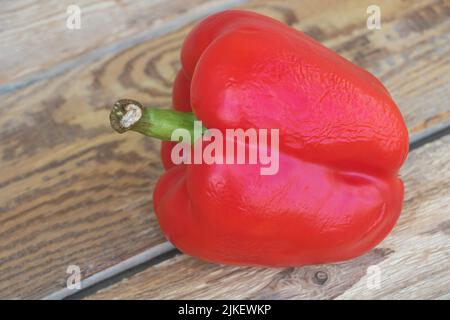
(413, 260)
(40, 26)
(72, 192)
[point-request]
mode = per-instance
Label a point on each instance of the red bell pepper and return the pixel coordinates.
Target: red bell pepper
(342, 141)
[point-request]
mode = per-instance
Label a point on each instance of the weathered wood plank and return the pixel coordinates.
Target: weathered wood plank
(413, 260)
(35, 37)
(74, 192)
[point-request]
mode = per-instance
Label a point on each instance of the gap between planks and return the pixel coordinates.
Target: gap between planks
(119, 46)
(166, 250)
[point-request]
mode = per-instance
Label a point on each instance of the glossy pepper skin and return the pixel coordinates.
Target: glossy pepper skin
(342, 141)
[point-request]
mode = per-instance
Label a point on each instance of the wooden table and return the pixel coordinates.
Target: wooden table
(72, 191)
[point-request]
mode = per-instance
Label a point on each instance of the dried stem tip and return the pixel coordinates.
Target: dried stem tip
(124, 114)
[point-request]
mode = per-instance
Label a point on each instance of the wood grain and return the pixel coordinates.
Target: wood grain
(413, 260)
(40, 27)
(72, 192)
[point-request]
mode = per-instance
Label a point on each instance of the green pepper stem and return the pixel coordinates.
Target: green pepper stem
(129, 114)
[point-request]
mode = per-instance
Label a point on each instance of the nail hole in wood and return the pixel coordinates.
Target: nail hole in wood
(320, 277)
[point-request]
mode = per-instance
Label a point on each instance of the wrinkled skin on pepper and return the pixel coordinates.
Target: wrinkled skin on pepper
(337, 193)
